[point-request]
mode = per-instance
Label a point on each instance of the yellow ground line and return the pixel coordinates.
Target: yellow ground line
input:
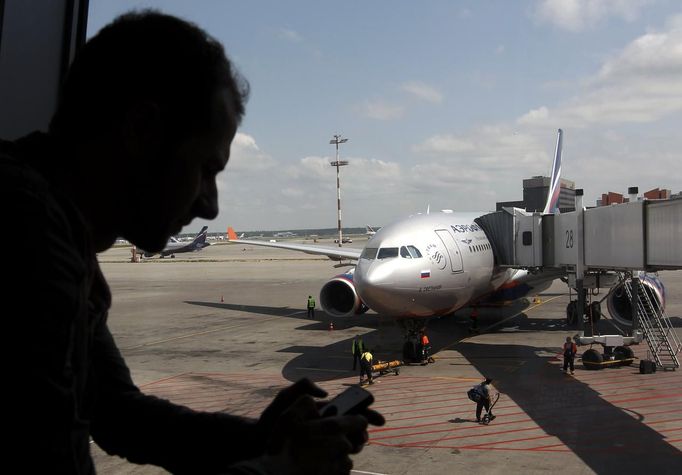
(501, 322)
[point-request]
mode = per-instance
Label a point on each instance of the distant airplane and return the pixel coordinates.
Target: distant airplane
(284, 234)
(174, 246)
(371, 231)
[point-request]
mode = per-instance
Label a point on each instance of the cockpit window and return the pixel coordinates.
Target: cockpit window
(369, 253)
(410, 252)
(386, 252)
(414, 252)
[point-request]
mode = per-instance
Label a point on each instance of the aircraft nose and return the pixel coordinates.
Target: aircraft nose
(374, 283)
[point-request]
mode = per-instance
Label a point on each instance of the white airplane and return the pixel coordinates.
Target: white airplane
(426, 265)
(370, 230)
(284, 234)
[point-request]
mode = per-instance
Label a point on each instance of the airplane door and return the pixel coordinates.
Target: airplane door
(452, 248)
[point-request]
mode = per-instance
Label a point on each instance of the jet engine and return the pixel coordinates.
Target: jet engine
(619, 303)
(339, 298)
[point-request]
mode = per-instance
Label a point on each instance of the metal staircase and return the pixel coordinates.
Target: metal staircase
(664, 343)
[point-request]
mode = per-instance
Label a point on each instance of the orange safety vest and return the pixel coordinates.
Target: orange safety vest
(425, 340)
(570, 347)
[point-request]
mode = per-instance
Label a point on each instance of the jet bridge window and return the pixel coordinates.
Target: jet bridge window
(369, 253)
(387, 252)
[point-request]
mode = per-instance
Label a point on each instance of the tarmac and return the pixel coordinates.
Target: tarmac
(225, 329)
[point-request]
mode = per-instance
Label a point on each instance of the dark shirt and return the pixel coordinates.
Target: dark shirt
(65, 379)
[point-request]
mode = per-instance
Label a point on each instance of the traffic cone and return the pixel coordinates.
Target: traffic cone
(331, 326)
(222, 300)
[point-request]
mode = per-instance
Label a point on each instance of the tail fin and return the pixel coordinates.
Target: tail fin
(552, 205)
(231, 235)
(201, 236)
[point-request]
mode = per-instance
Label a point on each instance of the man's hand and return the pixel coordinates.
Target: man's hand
(300, 441)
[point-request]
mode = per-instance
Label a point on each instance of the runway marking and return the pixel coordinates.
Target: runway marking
(439, 416)
(191, 335)
(367, 473)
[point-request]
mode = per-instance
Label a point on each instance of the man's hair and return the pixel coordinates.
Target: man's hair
(146, 56)
(487, 381)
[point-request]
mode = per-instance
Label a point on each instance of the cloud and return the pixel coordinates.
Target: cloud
(642, 83)
(486, 148)
(246, 156)
(382, 111)
(423, 91)
(579, 15)
(445, 144)
(289, 35)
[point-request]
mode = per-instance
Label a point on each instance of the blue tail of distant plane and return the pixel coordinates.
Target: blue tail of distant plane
(552, 205)
(199, 241)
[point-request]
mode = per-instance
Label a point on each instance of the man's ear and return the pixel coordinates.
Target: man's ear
(142, 131)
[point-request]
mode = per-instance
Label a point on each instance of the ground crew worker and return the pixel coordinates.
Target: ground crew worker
(425, 345)
(366, 362)
(484, 400)
(474, 320)
(311, 307)
(570, 350)
(357, 349)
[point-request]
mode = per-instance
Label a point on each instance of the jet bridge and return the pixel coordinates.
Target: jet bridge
(596, 247)
(643, 235)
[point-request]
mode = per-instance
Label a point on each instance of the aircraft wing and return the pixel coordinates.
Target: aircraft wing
(334, 253)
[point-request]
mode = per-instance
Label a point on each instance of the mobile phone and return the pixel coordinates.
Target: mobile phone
(351, 401)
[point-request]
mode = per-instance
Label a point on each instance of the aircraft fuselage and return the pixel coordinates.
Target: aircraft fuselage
(431, 264)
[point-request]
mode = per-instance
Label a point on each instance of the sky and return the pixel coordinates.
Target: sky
(445, 104)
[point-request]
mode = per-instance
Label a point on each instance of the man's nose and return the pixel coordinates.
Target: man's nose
(206, 206)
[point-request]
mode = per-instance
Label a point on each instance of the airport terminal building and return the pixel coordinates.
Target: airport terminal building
(535, 192)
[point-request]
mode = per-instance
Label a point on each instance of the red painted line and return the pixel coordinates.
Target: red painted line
(657, 396)
(486, 434)
(505, 422)
(666, 403)
(475, 426)
(161, 380)
(426, 389)
(512, 441)
(410, 395)
(641, 383)
(420, 401)
(665, 387)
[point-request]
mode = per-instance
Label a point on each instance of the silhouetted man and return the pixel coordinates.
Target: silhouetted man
(157, 95)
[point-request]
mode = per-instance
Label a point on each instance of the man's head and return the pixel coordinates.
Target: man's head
(568, 339)
(149, 109)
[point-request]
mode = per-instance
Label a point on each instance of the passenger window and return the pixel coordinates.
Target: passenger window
(369, 253)
(405, 253)
(387, 252)
(414, 252)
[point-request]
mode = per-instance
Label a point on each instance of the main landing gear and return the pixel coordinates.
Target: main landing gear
(592, 312)
(413, 350)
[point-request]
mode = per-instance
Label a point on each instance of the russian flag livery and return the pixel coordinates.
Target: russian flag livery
(552, 205)
(425, 274)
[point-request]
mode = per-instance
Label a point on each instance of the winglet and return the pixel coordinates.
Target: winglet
(231, 235)
(552, 205)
